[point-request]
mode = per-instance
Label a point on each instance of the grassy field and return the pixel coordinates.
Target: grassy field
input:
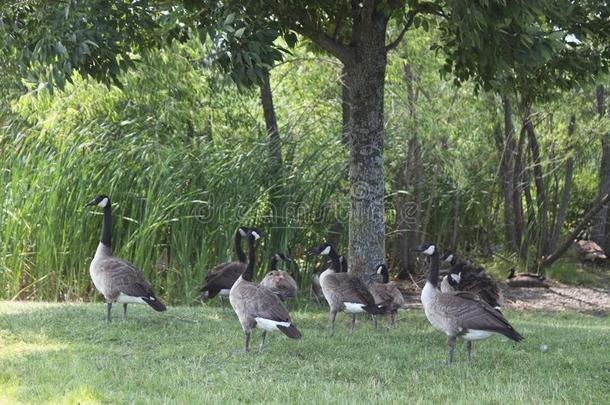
(66, 353)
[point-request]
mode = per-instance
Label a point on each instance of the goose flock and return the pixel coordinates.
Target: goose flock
(465, 305)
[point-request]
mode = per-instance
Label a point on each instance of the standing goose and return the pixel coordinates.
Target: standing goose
(315, 278)
(465, 276)
(258, 307)
(459, 313)
(387, 294)
(342, 291)
(221, 278)
(279, 281)
(117, 279)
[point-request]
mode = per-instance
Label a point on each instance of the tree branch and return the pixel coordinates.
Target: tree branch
(408, 23)
(336, 48)
(570, 239)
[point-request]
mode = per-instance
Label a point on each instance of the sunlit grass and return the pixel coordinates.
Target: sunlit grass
(54, 353)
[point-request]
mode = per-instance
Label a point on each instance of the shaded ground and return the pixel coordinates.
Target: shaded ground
(557, 297)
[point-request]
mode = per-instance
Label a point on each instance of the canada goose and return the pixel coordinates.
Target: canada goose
(117, 279)
(460, 313)
(386, 293)
(279, 281)
(342, 291)
(221, 278)
(588, 250)
(530, 280)
(257, 306)
(315, 278)
(465, 276)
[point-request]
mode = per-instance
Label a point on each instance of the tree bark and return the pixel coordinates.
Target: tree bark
(346, 107)
(274, 163)
(565, 193)
(541, 198)
(507, 174)
(601, 228)
(365, 80)
(408, 208)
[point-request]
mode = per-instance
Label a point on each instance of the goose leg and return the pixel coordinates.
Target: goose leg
(247, 343)
(333, 316)
(393, 317)
(124, 311)
(451, 344)
(469, 349)
(375, 319)
(264, 335)
(109, 305)
(353, 321)
(222, 302)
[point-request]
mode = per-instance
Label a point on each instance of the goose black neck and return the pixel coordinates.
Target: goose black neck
(241, 256)
(247, 274)
(385, 275)
(335, 264)
(107, 226)
(434, 265)
(274, 261)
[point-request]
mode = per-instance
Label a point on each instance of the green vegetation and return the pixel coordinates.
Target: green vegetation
(53, 353)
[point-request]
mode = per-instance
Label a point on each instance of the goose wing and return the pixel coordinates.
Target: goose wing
(472, 313)
(382, 293)
(482, 285)
(350, 288)
(223, 276)
(260, 302)
(126, 278)
(280, 283)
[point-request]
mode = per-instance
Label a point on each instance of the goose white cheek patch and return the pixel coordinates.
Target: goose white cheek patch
(103, 203)
(256, 235)
(325, 251)
(430, 250)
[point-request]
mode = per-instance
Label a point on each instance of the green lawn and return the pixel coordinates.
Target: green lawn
(58, 353)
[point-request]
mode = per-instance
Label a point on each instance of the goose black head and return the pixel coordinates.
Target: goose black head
(322, 250)
(455, 274)
(101, 201)
(253, 232)
(427, 248)
(280, 256)
(448, 257)
(381, 269)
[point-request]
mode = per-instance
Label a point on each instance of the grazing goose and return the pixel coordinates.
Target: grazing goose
(221, 278)
(529, 280)
(258, 307)
(465, 276)
(279, 281)
(459, 313)
(386, 293)
(342, 291)
(117, 279)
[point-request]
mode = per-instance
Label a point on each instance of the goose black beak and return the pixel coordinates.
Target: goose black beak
(90, 203)
(419, 248)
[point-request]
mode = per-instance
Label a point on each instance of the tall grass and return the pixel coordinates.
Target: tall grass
(178, 195)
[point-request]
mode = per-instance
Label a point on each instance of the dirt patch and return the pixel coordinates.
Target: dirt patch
(557, 297)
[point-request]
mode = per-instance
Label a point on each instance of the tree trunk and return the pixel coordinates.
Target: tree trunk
(507, 174)
(365, 79)
(565, 194)
(601, 230)
(408, 207)
(274, 164)
(518, 187)
(346, 107)
(541, 199)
